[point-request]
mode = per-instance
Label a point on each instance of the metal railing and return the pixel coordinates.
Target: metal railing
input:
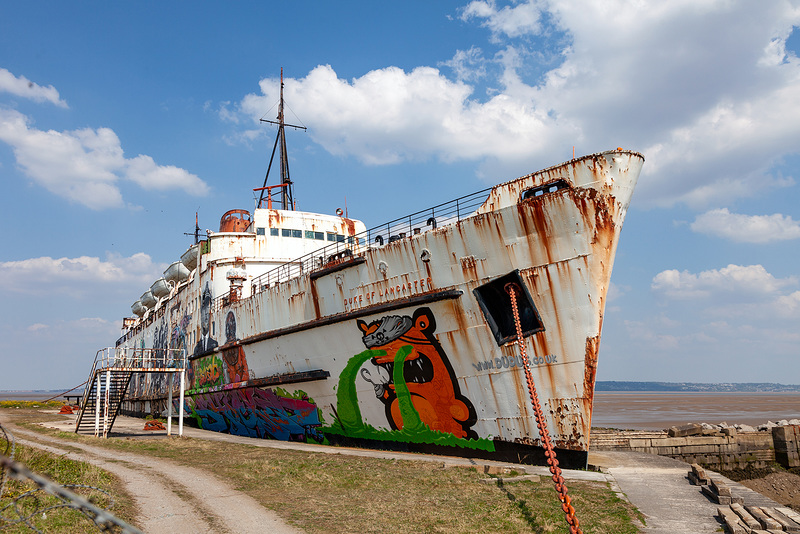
(129, 361)
(349, 247)
(138, 359)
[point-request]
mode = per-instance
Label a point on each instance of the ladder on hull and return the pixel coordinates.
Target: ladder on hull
(109, 380)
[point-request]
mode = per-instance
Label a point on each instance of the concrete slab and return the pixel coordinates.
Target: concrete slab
(659, 487)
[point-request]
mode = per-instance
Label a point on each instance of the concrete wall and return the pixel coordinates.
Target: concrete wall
(739, 450)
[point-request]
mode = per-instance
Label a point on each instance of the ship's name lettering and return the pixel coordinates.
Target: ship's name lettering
(389, 292)
(514, 361)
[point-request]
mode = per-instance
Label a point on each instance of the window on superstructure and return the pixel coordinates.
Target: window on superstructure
(331, 236)
(286, 232)
(297, 233)
(273, 231)
(311, 234)
(261, 231)
(339, 238)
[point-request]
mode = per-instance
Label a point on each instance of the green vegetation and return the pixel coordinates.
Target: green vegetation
(24, 499)
(31, 404)
(322, 492)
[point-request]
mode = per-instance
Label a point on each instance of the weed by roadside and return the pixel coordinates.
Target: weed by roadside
(22, 499)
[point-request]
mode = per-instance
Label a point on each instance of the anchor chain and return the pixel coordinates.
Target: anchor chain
(549, 452)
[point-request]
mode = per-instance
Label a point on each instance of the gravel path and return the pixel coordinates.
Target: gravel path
(171, 498)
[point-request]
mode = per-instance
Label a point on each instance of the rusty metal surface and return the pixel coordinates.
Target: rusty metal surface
(562, 241)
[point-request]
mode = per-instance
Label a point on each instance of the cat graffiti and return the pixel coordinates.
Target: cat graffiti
(430, 378)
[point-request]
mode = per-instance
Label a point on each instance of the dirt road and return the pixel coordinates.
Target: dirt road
(170, 497)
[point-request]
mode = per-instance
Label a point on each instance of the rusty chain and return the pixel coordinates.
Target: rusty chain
(549, 452)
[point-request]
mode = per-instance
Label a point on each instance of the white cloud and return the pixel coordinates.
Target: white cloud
(745, 282)
(388, 116)
(21, 86)
(511, 21)
(77, 277)
(705, 90)
(145, 172)
(85, 166)
(468, 65)
(747, 228)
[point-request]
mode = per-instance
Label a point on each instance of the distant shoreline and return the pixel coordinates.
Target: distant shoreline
(619, 386)
(693, 387)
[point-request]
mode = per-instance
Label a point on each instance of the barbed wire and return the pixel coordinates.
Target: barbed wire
(23, 508)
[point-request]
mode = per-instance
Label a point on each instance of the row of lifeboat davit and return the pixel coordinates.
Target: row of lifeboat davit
(176, 273)
(232, 221)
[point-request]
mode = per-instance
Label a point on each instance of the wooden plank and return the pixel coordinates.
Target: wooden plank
(731, 520)
(748, 519)
(787, 523)
(765, 521)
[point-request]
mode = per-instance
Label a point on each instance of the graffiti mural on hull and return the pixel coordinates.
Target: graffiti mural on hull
(428, 375)
(258, 413)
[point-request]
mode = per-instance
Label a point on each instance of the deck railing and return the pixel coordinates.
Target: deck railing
(352, 246)
(138, 359)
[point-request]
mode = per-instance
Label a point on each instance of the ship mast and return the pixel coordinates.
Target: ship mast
(287, 201)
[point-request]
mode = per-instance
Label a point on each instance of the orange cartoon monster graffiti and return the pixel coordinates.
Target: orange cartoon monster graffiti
(427, 371)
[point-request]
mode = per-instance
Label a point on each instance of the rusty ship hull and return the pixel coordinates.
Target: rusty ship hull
(402, 337)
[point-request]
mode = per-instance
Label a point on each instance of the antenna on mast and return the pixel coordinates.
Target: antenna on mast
(287, 201)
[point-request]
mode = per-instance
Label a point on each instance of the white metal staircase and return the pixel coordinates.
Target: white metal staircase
(109, 379)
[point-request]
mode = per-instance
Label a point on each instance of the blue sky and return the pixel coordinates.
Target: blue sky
(119, 121)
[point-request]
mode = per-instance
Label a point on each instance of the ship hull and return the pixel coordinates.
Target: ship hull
(412, 345)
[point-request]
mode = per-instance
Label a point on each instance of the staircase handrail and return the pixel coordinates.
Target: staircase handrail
(133, 358)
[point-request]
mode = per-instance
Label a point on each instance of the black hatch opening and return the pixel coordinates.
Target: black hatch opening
(540, 190)
(496, 306)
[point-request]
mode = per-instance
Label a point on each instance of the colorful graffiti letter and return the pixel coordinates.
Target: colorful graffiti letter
(428, 374)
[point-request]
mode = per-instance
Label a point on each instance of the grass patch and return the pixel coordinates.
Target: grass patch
(31, 404)
(322, 493)
(22, 500)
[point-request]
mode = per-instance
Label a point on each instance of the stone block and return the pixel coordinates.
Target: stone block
(692, 429)
(714, 496)
(497, 469)
(729, 431)
(720, 487)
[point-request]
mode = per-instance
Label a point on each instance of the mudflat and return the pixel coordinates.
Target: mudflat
(657, 411)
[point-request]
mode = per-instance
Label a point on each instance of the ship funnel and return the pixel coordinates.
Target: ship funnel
(235, 221)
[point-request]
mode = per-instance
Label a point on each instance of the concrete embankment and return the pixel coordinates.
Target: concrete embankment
(720, 449)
